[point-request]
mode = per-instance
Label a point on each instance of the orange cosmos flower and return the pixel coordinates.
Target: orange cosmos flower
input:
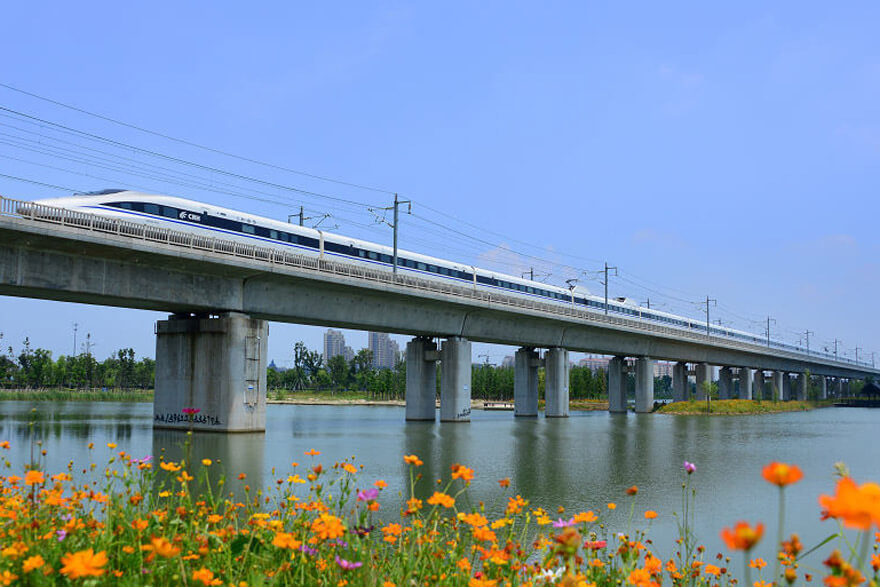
(612, 505)
(650, 515)
(161, 546)
(712, 570)
(441, 499)
(381, 484)
(85, 563)
(782, 474)
(504, 482)
(857, 506)
(632, 490)
(172, 467)
(206, 577)
(312, 453)
(349, 468)
(33, 477)
(462, 472)
(328, 526)
(31, 563)
(285, 540)
(413, 460)
(742, 536)
(4, 444)
(584, 517)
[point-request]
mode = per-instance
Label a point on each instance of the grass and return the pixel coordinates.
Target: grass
(738, 407)
(64, 395)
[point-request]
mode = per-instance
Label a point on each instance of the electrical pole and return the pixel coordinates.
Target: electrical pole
(708, 323)
(807, 333)
(857, 355)
(605, 283)
(396, 223)
(769, 320)
(835, 347)
(75, 328)
(530, 273)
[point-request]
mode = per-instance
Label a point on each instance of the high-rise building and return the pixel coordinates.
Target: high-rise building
(334, 344)
(384, 350)
(508, 361)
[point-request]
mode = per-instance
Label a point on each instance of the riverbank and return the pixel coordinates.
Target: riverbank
(66, 395)
(737, 407)
(358, 399)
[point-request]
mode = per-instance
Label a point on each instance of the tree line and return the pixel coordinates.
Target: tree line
(34, 368)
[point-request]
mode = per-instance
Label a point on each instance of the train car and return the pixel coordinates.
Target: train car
(214, 221)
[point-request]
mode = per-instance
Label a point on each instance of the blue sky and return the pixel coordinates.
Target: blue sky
(729, 151)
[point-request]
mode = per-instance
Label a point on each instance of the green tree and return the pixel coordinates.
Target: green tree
(339, 371)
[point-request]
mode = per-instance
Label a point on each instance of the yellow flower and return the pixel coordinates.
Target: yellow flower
(6, 578)
(31, 563)
(612, 506)
(349, 468)
(85, 563)
(111, 445)
(173, 467)
(207, 462)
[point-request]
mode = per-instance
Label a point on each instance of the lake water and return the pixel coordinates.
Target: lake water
(582, 462)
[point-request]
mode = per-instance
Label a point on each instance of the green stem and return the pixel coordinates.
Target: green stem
(779, 532)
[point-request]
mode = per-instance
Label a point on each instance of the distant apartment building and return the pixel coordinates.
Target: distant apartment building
(508, 361)
(385, 351)
(334, 344)
(594, 363)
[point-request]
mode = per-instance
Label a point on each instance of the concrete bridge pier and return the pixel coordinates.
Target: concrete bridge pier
(725, 383)
(679, 382)
(841, 388)
(758, 385)
(703, 372)
(525, 382)
(213, 366)
(644, 385)
(421, 378)
(617, 385)
(802, 387)
(745, 383)
(823, 387)
(455, 384)
(786, 387)
(777, 384)
(556, 371)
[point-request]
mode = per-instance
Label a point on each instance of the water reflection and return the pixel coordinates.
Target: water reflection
(232, 455)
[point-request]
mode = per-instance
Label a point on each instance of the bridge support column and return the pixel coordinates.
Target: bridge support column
(725, 383)
(556, 371)
(823, 387)
(215, 366)
(758, 386)
(421, 379)
(617, 385)
(680, 382)
(840, 387)
(777, 381)
(455, 384)
(644, 385)
(703, 373)
(745, 383)
(525, 382)
(802, 387)
(786, 387)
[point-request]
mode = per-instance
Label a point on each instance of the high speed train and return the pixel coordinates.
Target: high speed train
(191, 216)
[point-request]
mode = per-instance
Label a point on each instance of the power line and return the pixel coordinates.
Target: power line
(40, 183)
(193, 144)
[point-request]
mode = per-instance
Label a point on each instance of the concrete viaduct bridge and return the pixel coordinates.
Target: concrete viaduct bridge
(211, 352)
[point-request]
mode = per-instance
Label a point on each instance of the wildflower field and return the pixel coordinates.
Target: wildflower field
(136, 520)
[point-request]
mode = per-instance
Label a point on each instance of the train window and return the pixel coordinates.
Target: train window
(444, 271)
(273, 234)
(361, 253)
(432, 268)
(151, 209)
(247, 228)
(372, 255)
(421, 266)
(169, 212)
(126, 205)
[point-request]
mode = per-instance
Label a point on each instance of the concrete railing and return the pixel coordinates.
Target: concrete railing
(280, 258)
